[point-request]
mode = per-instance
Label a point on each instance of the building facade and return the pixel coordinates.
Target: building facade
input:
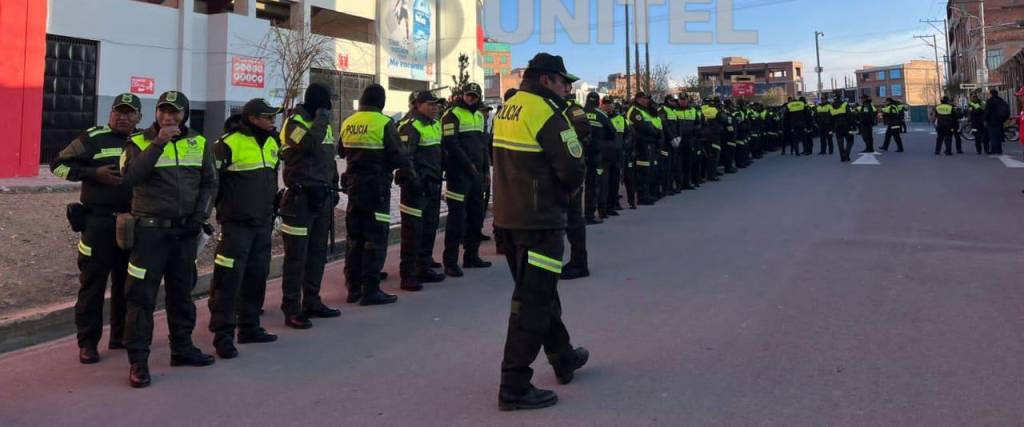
(914, 83)
(211, 50)
(785, 75)
(1004, 37)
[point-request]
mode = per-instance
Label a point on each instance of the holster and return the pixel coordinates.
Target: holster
(76, 213)
(125, 231)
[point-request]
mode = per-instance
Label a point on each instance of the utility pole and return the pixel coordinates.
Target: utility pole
(636, 47)
(938, 80)
(817, 54)
(647, 65)
(945, 36)
(629, 85)
(984, 45)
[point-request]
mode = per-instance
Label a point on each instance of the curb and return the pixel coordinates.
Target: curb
(59, 321)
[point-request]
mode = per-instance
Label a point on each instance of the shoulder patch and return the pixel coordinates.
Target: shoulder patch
(297, 134)
(572, 142)
(404, 138)
(576, 112)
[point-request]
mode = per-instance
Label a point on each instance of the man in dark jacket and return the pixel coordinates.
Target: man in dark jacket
(997, 112)
(602, 140)
(311, 175)
(892, 116)
(867, 118)
(420, 134)
(646, 141)
(173, 176)
(247, 163)
(372, 150)
(576, 228)
(613, 157)
(92, 159)
(538, 166)
(976, 115)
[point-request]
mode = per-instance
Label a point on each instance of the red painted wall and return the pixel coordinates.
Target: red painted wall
(23, 49)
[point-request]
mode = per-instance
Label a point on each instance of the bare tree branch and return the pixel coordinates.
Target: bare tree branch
(291, 54)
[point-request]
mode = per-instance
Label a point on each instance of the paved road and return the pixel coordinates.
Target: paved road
(800, 292)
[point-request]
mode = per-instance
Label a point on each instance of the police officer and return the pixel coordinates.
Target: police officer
(712, 132)
(823, 120)
(629, 152)
(729, 145)
(772, 128)
(372, 149)
(602, 140)
(576, 229)
(841, 121)
(174, 179)
(976, 115)
(664, 183)
(420, 134)
(646, 141)
(538, 164)
(944, 117)
(867, 118)
(311, 175)
(892, 116)
(468, 171)
(614, 157)
(247, 163)
(689, 118)
(92, 159)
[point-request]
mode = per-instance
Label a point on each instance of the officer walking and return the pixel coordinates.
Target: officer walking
(841, 121)
(372, 149)
(311, 175)
(976, 115)
(468, 171)
(867, 118)
(944, 117)
(420, 133)
(614, 156)
(538, 164)
(602, 140)
(892, 116)
(174, 179)
(92, 159)
(576, 228)
(247, 163)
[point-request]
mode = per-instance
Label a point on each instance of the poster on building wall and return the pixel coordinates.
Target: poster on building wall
(247, 72)
(143, 85)
(408, 36)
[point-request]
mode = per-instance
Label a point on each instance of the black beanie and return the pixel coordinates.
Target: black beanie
(317, 97)
(373, 96)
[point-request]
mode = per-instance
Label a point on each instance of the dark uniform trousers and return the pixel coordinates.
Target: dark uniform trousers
(576, 232)
(995, 139)
(613, 179)
(644, 166)
(420, 215)
(684, 162)
(892, 132)
(669, 163)
(844, 138)
(825, 136)
(240, 271)
(867, 133)
(592, 186)
(808, 139)
(160, 253)
(980, 139)
(629, 179)
(100, 258)
(465, 217)
(712, 154)
(367, 241)
(534, 258)
(306, 218)
(943, 139)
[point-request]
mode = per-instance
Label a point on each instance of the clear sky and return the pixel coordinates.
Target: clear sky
(857, 33)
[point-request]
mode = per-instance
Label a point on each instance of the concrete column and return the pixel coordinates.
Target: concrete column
(185, 41)
(246, 7)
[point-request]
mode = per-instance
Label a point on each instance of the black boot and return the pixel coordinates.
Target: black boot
(225, 349)
(430, 276)
(297, 321)
(191, 357)
(321, 311)
(88, 355)
(534, 398)
(410, 284)
(473, 261)
(565, 370)
(377, 298)
(138, 375)
(258, 335)
(453, 270)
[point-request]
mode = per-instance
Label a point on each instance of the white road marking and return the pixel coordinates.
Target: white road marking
(1008, 161)
(867, 159)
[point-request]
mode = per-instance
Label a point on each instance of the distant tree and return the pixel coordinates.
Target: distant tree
(291, 54)
(462, 78)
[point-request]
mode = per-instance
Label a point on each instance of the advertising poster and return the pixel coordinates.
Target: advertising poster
(408, 37)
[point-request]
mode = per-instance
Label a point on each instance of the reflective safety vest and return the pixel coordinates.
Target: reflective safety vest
(247, 155)
(521, 119)
(943, 109)
(469, 121)
(430, 134)
(648, 117)
(364, 130)
(656, 121)
(185, 152)
(620, 123)
(976, 106)
(824, 108)
(710, 112)
(670, 113)
(890, 109)
(689, 114)
(328, 136)
(796, 106)
(839, 110)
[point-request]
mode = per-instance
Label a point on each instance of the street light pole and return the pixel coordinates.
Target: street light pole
(984, 45)
(629, 85)
(817, 54)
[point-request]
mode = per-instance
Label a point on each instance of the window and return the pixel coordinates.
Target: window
(212, 7)
(896, 74)
(865, 76)
(168, 3)
(504, 60)
(865, 92)
(995, 58)
(881, 91)
(277, 11)
(897, 90)
(798, 72)
(881, 75)
(339, 25)
(488, 59)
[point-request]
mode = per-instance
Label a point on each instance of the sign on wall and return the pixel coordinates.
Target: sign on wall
(143, 85)
(247, 72)
(342, 61)
(408, 36)
(742, 89)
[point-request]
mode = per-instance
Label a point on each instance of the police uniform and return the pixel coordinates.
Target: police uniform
(976, 115)
(576, 229)
(615, 163)
(841, 121)
(711, 135)
(892, 117)
(247, 163)
(538, 164)
(373, 150)
(646, 141)
(797, 125)
(311, 177)
(867, 118)
(945, 115)
(688, 118)
(823, 119)
(99, 257)
(467, 165)
(173, 189)
(420, 204)
(664, 183)
(602, 140)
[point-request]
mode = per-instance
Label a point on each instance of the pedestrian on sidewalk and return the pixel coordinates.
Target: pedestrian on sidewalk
(92, 158)
(247, 164)
(538, 165)
(173, 176)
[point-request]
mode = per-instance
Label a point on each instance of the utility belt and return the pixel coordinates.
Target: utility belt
(77, 213)
(316, 195)
(126, 224)
(155, 222)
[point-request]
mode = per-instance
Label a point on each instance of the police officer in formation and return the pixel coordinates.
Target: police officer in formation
(311, 175)
(823, 121)
(576, 229)
(892, 117)
(614, 157)
(468, 171)
(247, 164)
(646, 141)
(602, 144)
(688, 117)
(92, 159)
(867, 118)
(538, 167)
(172, 171)
(420, 204)
(945, 116)
(842, 124)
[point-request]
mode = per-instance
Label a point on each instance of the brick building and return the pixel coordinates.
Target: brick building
(787, 75)
(913, 83)
(1003, 33)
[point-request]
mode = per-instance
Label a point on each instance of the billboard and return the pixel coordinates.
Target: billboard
(247, 72)
(408, 37)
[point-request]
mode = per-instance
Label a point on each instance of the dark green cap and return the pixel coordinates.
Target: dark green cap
(128, 99)
(472, 88)
(259, 107)
(173, 98)
(548, 63)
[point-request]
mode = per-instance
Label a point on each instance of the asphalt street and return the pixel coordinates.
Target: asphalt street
(801, 291)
